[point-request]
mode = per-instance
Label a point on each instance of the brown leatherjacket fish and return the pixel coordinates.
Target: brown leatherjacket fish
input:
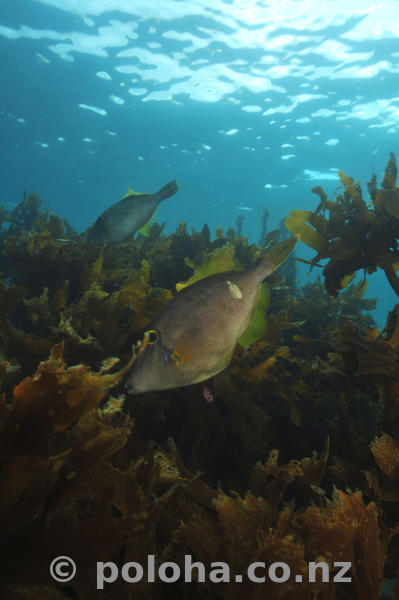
(193, 337)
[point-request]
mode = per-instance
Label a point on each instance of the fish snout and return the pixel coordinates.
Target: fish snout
(92, 237)
(131, 387)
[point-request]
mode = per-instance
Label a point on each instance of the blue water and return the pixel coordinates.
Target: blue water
(94, 100)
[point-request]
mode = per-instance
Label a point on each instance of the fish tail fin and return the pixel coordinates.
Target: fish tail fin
(281, 252)
(169, 189)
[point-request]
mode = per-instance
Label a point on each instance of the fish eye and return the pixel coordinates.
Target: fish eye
(153, 337)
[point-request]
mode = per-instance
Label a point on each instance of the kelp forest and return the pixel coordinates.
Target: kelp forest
(290, 455)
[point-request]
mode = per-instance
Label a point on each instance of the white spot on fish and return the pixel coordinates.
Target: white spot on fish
(234, 290)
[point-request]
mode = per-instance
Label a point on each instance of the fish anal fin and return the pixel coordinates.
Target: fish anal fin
(145, 230)
(258, 325)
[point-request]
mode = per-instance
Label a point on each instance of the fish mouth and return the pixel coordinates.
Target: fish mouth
(92, 239)
(130, 388)
(132, 384)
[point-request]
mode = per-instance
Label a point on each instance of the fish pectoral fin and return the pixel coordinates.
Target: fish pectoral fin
(258, 325)
(182, 354)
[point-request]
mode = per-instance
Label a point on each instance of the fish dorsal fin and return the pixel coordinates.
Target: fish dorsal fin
(131, 192)
(214, 266)
(258, 326)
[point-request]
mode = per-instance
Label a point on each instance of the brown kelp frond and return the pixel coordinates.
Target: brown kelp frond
(50, 402)
(355, 236)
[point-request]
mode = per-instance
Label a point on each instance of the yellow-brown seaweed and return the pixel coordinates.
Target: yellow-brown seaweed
(86, 473)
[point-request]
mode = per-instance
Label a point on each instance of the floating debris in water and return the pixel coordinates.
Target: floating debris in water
(99, 111)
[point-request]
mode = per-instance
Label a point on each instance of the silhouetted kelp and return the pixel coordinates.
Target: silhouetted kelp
(89, 474)
(356, 235)
(263, 231)
(239, 224)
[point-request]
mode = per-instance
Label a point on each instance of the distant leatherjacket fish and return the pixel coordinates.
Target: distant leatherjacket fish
(120, 221)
